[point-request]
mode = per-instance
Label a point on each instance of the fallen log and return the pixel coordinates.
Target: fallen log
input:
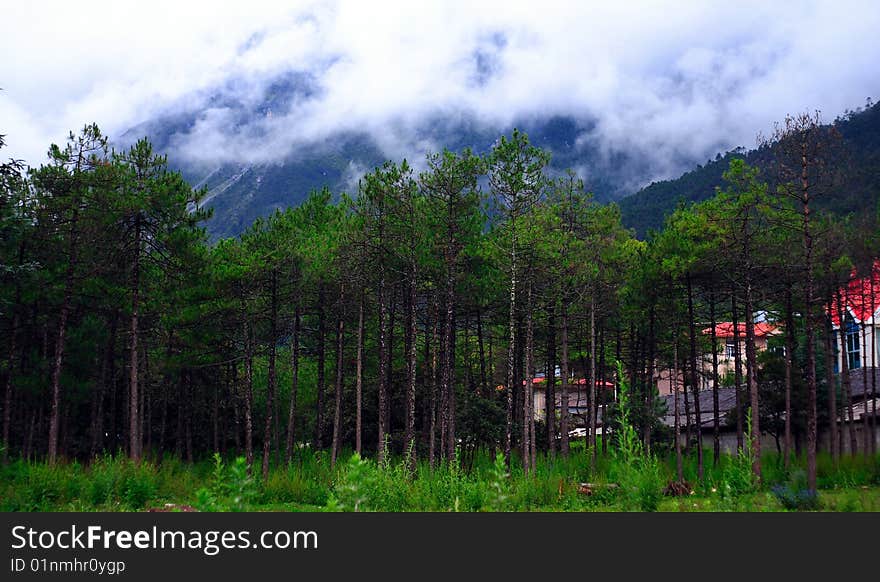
(678, 489)
(590, 488)
(172, 508)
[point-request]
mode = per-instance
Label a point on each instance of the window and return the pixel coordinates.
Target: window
(835, 344)
(853, 339)
(730, 350)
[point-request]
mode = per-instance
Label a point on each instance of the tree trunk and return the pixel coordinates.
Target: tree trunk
(107, 373)
(452, 441)
(602, 378)
(447, 394)
(874, 357)
(144, 426)
(789, 359)
(319, 401)
(61, 340)
(215, 419)
(10, 382)
(272, 379)
(867, 420)
(550, 390)
(435, 347)
(511, 349)
(810, 344)
(294, 387)
(528, 388)
(649, 384)
(592, 382)
(412, 362)
(133, 395)
(163, 418)
(678, 462)
(485, 392)
(716, 416)
(563, 399)
(752, 372)
(695, 386)
(737, 372)
(188, 394)
(833, 429)
(359, 379)
(248, 396)
(844, 374)
(11, 359)
(389, 356)
(685, 381)
(337, 414)
(383, 370)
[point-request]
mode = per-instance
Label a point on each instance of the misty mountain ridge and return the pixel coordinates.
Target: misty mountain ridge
(241, 190)
(257, 183)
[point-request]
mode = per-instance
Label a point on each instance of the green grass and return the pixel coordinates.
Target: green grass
(309, 484)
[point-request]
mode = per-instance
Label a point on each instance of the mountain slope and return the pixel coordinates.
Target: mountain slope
(859, 191)
(240, 192)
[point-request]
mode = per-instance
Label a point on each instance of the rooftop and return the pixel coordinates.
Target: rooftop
(861, 296)
(725, 329)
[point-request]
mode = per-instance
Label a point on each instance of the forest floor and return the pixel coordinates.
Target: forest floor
(861, 499)
(478, 483)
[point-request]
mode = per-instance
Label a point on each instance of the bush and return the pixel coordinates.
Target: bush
(355, 486)
(795, 495)
(231, 489)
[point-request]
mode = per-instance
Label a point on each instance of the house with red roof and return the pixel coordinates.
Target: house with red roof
(727, 341)
(855, 310)
(724, 334)
(859, 303)
(578, 398)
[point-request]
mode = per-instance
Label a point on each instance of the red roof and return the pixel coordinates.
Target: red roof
(725, 329)
(580, 381)
(857, 296)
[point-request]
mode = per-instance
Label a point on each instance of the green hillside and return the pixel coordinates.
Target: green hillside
(857, 191)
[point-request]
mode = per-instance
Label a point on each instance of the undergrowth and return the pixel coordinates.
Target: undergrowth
(309, 483)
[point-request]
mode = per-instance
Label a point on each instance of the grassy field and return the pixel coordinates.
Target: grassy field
(481, 484)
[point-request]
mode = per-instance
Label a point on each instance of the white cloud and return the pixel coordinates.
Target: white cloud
(672, 80)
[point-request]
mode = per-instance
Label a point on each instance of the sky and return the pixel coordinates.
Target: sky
(669, 80)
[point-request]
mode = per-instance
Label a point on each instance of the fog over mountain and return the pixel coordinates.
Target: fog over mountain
(625, 93)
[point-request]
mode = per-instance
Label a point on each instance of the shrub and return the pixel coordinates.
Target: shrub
(231, 489)
(796, 495)
(355, 483)
(138, 485)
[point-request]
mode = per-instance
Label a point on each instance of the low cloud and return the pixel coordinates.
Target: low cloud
(674, 83)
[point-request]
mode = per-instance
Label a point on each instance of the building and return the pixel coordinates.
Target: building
(860, 345)
(861, 309)
(578, 394)
(727, 344)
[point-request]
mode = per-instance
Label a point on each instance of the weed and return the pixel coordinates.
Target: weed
(738, 477)
(637, 470)
(498, 485)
